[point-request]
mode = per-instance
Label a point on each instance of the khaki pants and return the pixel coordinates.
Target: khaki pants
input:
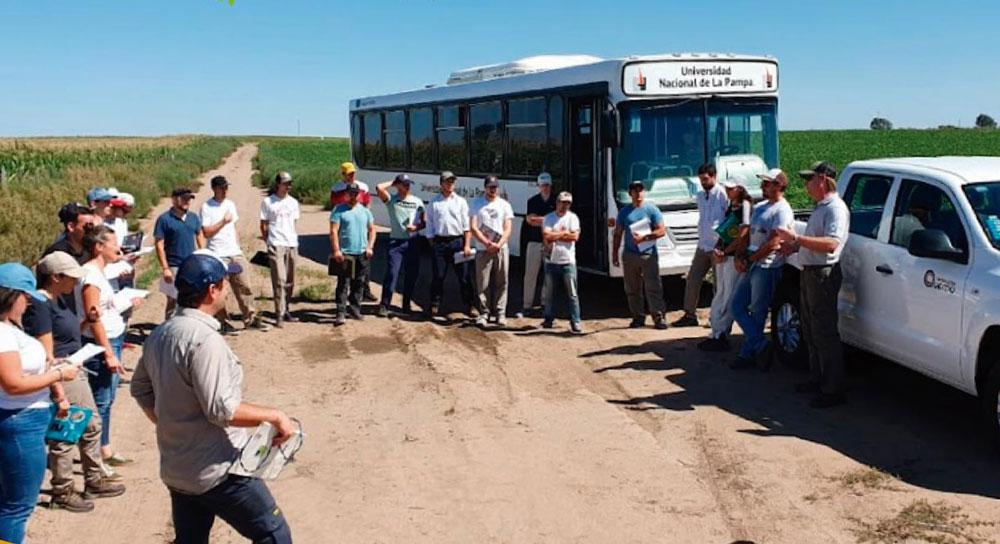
(818, 305)
(241, 288)
(282, 262)
(726, 278)
(61, 453)
(701, 263)
(171, 302)
(642, 285)
(492, 269)
(532, 267)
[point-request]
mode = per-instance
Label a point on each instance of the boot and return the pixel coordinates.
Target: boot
(102, 489)
(71, 501)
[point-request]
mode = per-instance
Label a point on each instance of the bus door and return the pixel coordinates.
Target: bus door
(585, 181)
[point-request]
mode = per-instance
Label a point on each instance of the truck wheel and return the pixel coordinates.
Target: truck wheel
(990, 402)
(786, 327)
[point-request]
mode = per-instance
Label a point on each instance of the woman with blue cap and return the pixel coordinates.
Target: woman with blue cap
(25, 377)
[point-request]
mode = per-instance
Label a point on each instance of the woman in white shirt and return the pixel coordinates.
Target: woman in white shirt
(102, 325)
(25, 377)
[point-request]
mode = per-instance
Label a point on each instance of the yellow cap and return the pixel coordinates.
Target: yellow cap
(347, 168)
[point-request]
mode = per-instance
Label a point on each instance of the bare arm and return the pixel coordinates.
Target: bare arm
(370, 249)
(508, 226)
(263, 229)
(211, 230)
(820, 244)
(335, 240)
(382, 189)
(200, 239)
(474, 228)
(161, 255)
(251, 415)
(92, 313)
(14, 382)
(616, 243)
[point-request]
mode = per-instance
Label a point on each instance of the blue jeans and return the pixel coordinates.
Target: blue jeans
(564, 274)
(444, 259)
(403, 254)
(244, 503)
(22, 467)
(751, 302)
(104, 386)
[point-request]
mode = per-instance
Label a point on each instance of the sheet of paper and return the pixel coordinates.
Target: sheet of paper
(461, 258)
(168, 289)
(85, 353)
(123, 299)
(114, 270)
(642, 228)
(144, 251)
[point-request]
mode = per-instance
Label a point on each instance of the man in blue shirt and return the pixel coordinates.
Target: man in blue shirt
(641, 224)
(178, 233)
(352, 238)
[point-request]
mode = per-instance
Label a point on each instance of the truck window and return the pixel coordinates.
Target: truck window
(866, 197)
(923, 206)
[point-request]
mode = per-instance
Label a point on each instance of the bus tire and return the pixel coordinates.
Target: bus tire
(786, 325)
(989, 400)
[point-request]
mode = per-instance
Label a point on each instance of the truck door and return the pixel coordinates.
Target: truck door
(928, 293)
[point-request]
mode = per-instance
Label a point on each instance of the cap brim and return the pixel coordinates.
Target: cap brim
(806, 174)
(75, 273)
(36, 295)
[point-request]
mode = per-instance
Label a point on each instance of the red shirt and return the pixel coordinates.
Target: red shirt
(338, 194)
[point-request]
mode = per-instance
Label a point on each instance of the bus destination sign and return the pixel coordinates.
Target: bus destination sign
(699, 77)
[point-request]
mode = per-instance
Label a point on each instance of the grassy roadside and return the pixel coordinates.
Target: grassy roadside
(313, 162)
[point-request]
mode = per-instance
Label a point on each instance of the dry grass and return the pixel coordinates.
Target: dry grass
(922, 521)
(866, 478)
(90, 143)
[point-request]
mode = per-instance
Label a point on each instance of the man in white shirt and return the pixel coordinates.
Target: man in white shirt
(560, 231)
(712, 207)
(278, 214)
(448, 231)
(490, 220)
(218, 222)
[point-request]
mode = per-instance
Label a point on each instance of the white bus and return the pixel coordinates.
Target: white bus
(595, 125)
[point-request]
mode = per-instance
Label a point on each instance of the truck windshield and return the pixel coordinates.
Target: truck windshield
(663, 144)
(985, 201)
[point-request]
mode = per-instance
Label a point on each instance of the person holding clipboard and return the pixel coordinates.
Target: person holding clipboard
(352, 238)
(644, 225)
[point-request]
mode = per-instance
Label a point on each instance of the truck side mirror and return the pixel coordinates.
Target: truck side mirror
(611, 127)
(934, 244)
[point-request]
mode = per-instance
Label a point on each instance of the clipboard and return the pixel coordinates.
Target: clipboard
(348, 267)
(132, 242)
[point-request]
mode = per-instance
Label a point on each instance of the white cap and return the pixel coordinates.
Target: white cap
(735, 181)
(771, 174)
(115, 193)
(128, 199)
(544, 179)
(564, 196)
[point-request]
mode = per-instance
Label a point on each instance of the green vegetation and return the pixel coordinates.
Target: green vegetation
(799, 149)
(922, 521)
(314, 164)
(45, 173)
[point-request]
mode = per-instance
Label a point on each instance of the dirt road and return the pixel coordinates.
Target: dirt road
(440, 432)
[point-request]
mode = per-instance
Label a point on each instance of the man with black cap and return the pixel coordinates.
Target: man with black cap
(406, 218)
(539, 206)
(352, 240)
(278, 214)
(644, 223)
(177, 233)
(74, 217)
(448, 230)
(188, 383)
(819, 248)
(218, 219)
(490, 220)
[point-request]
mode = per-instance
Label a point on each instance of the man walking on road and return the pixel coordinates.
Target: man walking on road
(188, 383)
(352, 239)
(712, 207)
(406, 218)
(218, 219)
(490, 221)
(448, 230)
(278, 214)
(762, 264)
(819, 249)
(539, 206)
(177, 233)
(644, 225)
(561, 230)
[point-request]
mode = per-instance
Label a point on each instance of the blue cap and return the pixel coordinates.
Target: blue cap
(19, 277)
(201, 269)
(99, 194)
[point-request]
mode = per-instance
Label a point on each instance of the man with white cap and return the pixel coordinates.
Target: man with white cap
(819, 249)
(406, 218)
(712, 206)
(561, 230)
(278, 214)
(539, 206)
(732, 232)
(762, 263)
(490, 220)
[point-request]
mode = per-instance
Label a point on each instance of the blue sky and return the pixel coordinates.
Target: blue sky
(200, 66)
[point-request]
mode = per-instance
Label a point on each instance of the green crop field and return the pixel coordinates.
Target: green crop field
(313, 162)
(42, 174)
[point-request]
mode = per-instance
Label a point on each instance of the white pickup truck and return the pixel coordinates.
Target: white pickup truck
(921, 272)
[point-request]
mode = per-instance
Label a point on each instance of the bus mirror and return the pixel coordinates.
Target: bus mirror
(611, 127)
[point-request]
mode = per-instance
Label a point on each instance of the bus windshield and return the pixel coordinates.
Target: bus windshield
(663, 144)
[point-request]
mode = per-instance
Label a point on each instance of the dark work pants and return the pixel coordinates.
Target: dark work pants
(444, 259)
(402, 255)
(818, 303)
(242, 502)
(356, 285)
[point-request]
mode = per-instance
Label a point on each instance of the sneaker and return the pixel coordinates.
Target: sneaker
(637, 324)
(383, 311)
(368, 297)
(288, 317)
(117, 460)
(355, 313)
(547, 324)
(430, 311)
(103, 490)
(279, 324)
(807, 388)
(828, 400)
(339, 320)
(742, 363)
(226, 329)
(519, 315)
(714, 345)
(109, 473)
(575, 328)
(471, 312)
(482, 320)
(253, 322)
(71, 501)
(501, 321)
(660, 325)
(686, 321)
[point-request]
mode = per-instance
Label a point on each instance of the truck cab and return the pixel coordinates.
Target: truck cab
(921, 271)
